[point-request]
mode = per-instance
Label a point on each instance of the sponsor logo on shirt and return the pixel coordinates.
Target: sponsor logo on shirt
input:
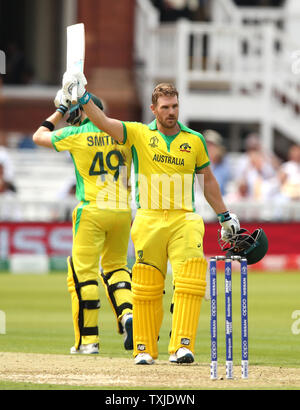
(185, 147)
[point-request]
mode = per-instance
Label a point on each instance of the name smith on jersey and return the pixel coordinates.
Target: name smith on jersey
(99, 141)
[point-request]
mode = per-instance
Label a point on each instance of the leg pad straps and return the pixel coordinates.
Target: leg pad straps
(80, 304)
(117, 285)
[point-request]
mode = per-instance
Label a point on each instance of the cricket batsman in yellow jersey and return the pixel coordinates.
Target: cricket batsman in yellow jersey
(167, 156)
(101, 222)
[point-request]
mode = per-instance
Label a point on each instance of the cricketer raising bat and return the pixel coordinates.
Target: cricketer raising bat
(75, 52)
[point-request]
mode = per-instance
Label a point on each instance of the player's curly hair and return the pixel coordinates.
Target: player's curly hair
(164, 90)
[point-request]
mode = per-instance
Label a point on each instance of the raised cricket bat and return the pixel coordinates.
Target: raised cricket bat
(75, 52)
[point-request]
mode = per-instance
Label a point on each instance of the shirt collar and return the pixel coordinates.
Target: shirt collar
(153, 126)
(85, 121)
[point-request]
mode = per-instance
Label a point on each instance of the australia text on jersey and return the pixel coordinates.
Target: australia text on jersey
(167, 159)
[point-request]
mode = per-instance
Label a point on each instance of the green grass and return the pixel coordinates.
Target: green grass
(38, 319)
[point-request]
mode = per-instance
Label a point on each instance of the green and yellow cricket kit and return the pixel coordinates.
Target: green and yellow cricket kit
(165, 166)
(101, 226)
(166, 227)
(102, 166)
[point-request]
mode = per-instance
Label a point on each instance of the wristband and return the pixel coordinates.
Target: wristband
(225, 216)
(62, 109)
(48, 125)
(85, 98)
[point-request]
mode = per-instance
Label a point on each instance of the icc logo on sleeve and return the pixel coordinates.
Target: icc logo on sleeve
(154, 142)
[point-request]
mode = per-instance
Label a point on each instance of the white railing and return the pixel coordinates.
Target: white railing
(146, 21)
(225, 11)
(213, 51)
(50, 211)
(251, 61)
(188, 52)
(15, 210)
(261, 15)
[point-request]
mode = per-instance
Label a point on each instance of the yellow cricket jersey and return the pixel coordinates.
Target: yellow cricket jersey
(102, 166)
(165, 166)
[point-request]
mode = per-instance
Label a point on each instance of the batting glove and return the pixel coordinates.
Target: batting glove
(61, 102)
(72, 79)
(230, 225)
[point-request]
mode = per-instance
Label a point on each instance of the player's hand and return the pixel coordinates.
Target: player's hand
(61, 102)
(230, 225)
(72, 79)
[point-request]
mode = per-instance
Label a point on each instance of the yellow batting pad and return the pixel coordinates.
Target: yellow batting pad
(117, 285)
(75, 303)
(147, 289)
(189, 289)
(85, 307)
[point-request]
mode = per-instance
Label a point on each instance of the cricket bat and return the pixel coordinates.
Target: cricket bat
(75, 52)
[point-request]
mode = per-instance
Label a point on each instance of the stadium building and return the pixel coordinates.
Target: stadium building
(236, 65)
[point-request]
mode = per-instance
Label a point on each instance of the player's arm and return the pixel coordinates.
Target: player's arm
(211, 189)
(212, 193)
(43, 135)
(112, 126)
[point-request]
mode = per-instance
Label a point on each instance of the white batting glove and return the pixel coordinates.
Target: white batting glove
(230, 225)
(61, 102)
(72, 79)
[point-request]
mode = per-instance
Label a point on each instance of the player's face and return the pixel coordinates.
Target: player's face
(166, 111)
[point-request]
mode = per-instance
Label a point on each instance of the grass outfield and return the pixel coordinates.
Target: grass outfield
(38, 319)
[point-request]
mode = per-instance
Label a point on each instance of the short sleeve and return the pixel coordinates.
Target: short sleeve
(202, 159)
(63, 139)
(132, 131)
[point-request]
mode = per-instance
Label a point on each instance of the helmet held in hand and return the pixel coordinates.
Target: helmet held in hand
(252, 246)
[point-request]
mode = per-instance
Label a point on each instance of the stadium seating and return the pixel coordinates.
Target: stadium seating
(40, 175)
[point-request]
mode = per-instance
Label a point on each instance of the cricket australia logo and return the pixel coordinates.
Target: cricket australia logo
(154, 142)
(185, 147)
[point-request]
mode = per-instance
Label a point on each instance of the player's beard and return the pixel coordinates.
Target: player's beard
(168, 123)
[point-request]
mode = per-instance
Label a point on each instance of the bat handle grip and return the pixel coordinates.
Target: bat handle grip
(74, 95)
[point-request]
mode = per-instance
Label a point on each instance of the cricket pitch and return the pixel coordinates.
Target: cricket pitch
(100, 371)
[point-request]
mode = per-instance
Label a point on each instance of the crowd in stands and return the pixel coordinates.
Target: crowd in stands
(256, 175)
(253, 176)
(8, 190)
